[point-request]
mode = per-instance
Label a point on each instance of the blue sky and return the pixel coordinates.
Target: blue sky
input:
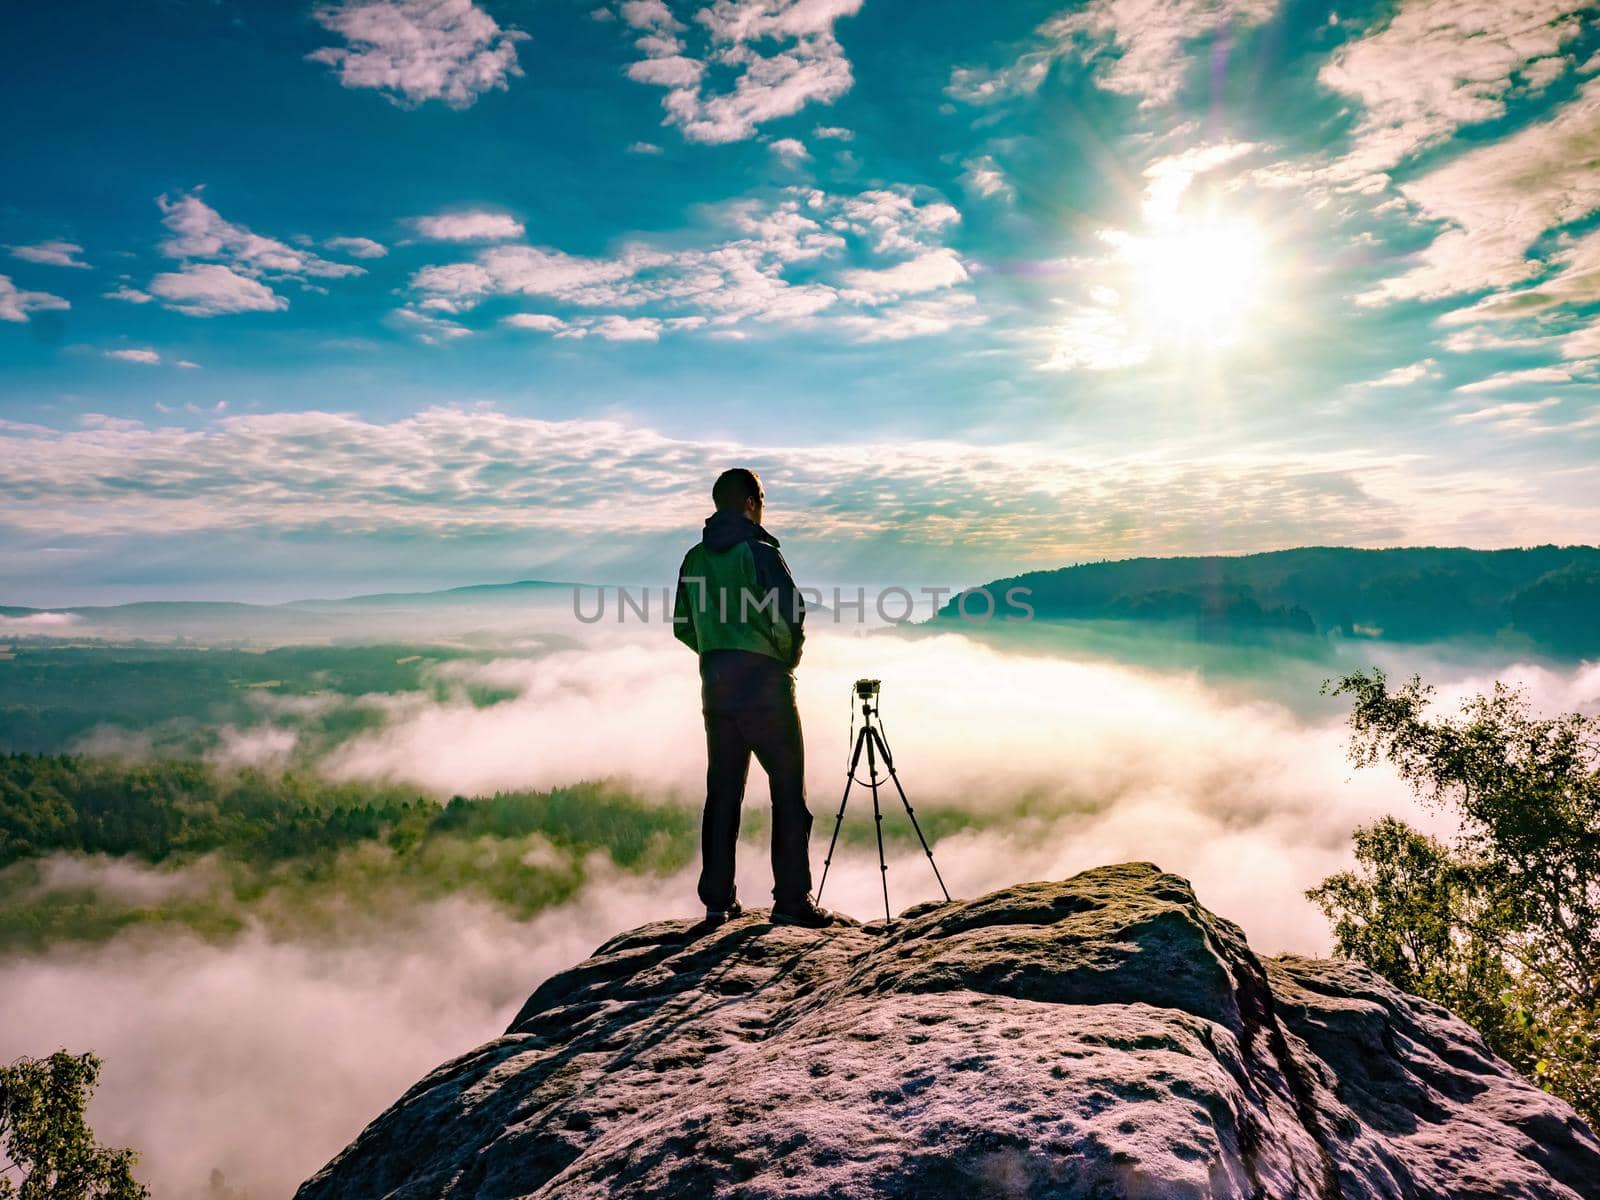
(297, 298)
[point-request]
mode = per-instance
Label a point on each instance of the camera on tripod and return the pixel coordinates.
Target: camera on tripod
(871, 740)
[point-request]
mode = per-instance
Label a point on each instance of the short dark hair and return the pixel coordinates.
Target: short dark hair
(733, 487)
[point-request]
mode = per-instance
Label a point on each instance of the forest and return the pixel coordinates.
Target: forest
(220, 847)
(1542, 599)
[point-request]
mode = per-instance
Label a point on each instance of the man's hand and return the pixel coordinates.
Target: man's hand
(683, 614)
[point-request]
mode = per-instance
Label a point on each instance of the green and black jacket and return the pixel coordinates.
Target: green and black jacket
(735, 593)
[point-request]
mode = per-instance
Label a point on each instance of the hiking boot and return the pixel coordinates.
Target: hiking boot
(716, 916)
(804, 913)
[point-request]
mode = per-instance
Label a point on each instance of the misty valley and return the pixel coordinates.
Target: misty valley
(347, 858)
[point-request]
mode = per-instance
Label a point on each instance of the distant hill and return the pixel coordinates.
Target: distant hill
(382, 616)
(476, 593)
(1548, 596)
(377, 614)
(472, 593)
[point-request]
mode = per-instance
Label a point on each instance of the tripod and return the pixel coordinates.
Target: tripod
(871, 739)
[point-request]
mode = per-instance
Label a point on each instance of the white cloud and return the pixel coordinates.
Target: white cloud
(1480, 337)
(225, 264)
(1500, 412)
(1499, 200)
(1559, 374)
(356, 247)
(1417, 372)
(104, 421)
(17, 305)
(1572, 269)
(1438, 65)
(198, 231)
(187, 365)
(431, 330)
(915, 318)
(129, 295)
(614, 328)
(1523, 419)
(898, 220)
(148, 358)
(471, 226)
(626, 329)
(837, 133)
(533, 271)
(644, 148)
(450, 470)
(928, 272)
(781, 54)
(1147, 40)
(540, 322)
(649, 15)
(983, 176)
(1171, 177)
(672, 71)
(979, 85)
(419, 50)
(741, 278)
(1583, 343)
(790, 149)
(210, 289)
(1134, 47)
(51, 254)
(1096, 337)
(1542, 72)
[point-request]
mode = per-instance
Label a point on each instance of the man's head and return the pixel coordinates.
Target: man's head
(738, 490)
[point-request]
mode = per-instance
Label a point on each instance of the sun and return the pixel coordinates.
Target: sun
(1196, 281)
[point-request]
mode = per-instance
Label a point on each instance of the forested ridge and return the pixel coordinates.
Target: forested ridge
(219, 847)
(54, 695)
(216, 848)
(1546, 597)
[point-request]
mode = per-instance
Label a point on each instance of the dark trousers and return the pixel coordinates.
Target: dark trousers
(748, 703)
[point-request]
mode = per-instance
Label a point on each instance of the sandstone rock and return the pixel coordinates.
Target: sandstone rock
(1100, 1037)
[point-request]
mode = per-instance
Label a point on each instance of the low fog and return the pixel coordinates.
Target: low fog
(1065, 764)
(263, 1057)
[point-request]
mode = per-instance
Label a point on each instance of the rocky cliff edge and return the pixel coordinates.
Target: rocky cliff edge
(1104, 1036)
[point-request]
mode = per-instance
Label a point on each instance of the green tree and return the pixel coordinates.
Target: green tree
(47, 1142)
(1427, 920)
(1504, 925)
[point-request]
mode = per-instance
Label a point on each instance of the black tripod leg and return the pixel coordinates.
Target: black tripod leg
(877, 818)
(850, 777)
(910, 812)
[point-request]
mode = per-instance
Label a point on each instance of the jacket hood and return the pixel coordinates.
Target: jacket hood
(725, 530)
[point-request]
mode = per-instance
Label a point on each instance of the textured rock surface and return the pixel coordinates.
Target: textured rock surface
(1100, 1037)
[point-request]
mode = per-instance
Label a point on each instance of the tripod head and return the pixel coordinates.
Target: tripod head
(867, 691)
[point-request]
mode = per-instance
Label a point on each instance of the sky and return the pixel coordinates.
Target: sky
(301, 298)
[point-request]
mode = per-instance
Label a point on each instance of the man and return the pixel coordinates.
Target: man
(738, 608)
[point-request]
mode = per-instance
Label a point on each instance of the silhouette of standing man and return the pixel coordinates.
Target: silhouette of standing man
(738, 608)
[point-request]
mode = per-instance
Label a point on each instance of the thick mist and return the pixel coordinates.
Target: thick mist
(1062, 764)
(261, 1057)
(262, 1053)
